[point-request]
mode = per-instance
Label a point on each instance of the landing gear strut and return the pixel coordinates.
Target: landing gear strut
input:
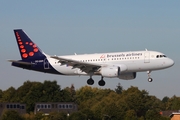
(149, 78)
(101, 82)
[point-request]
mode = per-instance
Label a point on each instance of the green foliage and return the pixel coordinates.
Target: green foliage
(72, 92)
(57, 116)
(39, 116)
(93, 103)
(1, 95)
(165, 99)
(30, 116)
(173, 103)
(48, 91)
(119, 89)
(88, 113)
(152, 115)
(131, 115)
(77, 116)
(11, 115)
(136, 100)
(9, 95)
(23, 90)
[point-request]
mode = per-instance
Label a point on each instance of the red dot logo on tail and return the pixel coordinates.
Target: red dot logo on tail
(22, 46)
(25, 55)
(28, 49)
(35, 49)
(31, 54)
(23, 50)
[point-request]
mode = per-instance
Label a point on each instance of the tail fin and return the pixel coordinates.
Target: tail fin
(27, 48)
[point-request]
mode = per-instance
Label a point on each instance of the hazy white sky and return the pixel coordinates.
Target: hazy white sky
(64, 27)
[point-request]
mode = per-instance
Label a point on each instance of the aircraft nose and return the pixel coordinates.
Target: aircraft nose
(170, 62)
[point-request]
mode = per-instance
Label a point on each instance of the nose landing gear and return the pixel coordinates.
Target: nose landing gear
(149, 78)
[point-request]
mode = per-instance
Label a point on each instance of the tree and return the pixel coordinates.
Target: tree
(11, 115)
(131, 115)
(165, 99)
(1, 95)
(119, 88)
(77, 116)
(57, 116)
(152, 115)
(38, 116)
(34, 95)
(108, 107)
(88, 113)
(24, 89)
(49, 91)
(9, 95)
(135, 100)
(173, 103)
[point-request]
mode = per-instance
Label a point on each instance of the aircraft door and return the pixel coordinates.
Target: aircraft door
(46, 64)
(146, 57)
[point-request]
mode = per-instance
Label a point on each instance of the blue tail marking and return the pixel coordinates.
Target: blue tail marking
(31, 54)
(27, 48)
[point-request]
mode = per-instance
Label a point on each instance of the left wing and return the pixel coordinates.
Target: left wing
(83, 66)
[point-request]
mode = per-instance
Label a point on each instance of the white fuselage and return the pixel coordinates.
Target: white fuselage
(122, 65)
(136, 61)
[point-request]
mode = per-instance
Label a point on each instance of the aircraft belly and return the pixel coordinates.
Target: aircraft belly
(140, 66)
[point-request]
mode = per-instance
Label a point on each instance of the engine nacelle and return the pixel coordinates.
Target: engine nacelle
(128, 76)
(110, 71)
(113, 71)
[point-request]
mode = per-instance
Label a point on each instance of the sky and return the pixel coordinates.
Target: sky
(65, 27)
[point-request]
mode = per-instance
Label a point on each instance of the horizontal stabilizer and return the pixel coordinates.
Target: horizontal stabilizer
(21, 62)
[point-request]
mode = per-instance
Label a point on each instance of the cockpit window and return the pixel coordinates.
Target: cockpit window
(160, 56)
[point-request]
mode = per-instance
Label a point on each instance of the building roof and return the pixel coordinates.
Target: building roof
(174, 113)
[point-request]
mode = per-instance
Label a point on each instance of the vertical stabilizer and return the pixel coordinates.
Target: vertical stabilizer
(27, 48)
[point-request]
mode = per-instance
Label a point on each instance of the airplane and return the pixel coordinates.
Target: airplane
(122, 65)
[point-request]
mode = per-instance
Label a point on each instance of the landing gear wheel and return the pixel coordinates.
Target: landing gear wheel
(90, 81)
(150, 79)
(101, 83)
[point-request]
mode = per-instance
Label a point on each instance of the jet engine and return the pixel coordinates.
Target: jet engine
(112, 71)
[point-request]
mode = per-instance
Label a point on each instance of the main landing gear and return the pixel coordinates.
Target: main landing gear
(149, 78)
(90, 81)
(101, 82)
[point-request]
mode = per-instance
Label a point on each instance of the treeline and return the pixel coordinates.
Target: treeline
(93, 103)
